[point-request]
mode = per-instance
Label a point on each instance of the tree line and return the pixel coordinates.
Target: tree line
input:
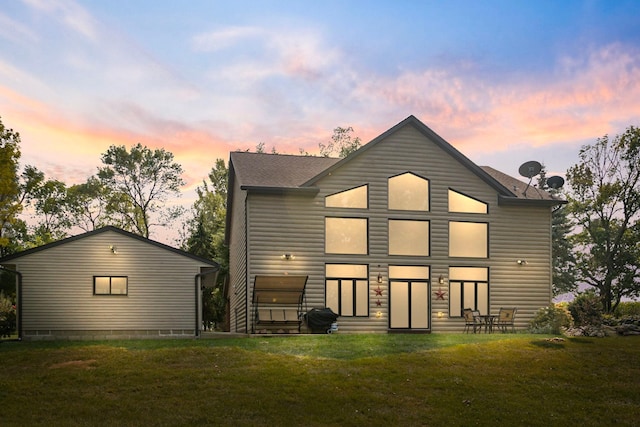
(596, 235)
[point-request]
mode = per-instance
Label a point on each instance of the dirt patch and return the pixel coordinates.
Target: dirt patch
(82, 364)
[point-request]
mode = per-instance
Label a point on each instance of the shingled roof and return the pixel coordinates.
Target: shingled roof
(259, 170)
(277, 173)
(520, 189)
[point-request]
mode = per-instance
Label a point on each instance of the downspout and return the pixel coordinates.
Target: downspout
(198, 289)
(18, 299)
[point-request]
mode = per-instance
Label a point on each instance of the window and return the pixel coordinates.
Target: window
(355, 198)
(408, 192)
(468, 239)
(408, 237)
(459, 202)
(346, 236)
(468, 288)
(347, 289)
(110, 285)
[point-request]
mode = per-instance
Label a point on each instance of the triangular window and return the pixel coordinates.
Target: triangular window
(459, 202)
(355, 198)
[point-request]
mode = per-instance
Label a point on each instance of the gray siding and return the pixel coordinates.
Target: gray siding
(295, 224)
(238, 263)
(58, 300)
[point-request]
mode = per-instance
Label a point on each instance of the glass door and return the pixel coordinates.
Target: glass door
(409, 304)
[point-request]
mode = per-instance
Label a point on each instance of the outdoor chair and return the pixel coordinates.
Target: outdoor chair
(472, 320)
(505, 319)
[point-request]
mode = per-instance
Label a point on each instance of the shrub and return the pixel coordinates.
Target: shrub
(628, 308)
(586, 309)
(550, 320)
(7, 316)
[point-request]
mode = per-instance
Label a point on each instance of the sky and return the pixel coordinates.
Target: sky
(504, 82)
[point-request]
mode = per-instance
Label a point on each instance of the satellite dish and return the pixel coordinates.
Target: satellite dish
(530, 169)
(555, 182)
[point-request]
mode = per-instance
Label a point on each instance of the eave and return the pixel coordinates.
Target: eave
(303, 191)
(518, 201)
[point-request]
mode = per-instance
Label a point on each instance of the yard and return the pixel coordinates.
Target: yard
(434, 380)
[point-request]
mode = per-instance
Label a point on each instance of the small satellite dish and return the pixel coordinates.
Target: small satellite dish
(530, 169)
(555, 182)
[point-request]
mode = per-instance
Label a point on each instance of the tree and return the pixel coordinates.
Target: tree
(563, 261)
(341, 142)
(49, 201)
(205, 237)
(15, 191)
(87, 204)
(141, 181)
(10, 203)
(605, 205)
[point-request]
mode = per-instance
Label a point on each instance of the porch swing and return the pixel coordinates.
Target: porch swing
(278, 303)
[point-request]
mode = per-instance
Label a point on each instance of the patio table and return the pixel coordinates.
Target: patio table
(488, 320)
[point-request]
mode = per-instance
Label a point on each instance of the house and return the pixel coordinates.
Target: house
(400, 236)
(109, 283)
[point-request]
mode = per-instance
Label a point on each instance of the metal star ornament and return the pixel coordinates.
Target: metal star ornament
(440, 294)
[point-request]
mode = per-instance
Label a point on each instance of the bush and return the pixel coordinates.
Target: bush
(586, 309)
(550, 320)
(7, 316)
(627, 308)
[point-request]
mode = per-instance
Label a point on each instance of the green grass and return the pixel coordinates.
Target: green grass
(341, 380)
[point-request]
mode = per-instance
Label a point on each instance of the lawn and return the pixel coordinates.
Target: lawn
(340, 380)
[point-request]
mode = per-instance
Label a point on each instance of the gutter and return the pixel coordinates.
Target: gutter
(199, 289)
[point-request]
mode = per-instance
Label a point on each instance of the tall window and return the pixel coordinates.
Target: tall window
(355, 198)
(408, 192)
(409, 297)
(459, 202)
(468, 239)
(408, 237)
(110, 285)
(346, 236)
(468, 288)
(347, 289)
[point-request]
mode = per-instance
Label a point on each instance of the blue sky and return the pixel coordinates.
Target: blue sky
(503, 81)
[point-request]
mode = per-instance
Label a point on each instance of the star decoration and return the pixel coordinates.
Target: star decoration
(378, 303)
(440, 294)
(378, 292)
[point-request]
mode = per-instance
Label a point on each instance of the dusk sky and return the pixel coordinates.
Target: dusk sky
(503, 81)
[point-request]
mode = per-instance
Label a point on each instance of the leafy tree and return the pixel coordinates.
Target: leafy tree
(563, 261)
(141, 181)
(341, 142)
(15, 191)
(87, 204)
(10, 203)
(205, 236)
(49, 201)
(605, 204)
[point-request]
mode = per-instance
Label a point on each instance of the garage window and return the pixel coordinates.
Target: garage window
(110, 285)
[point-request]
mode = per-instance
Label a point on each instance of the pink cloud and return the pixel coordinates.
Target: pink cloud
(588, 97)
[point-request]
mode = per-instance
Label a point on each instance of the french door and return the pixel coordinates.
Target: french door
(409, 306)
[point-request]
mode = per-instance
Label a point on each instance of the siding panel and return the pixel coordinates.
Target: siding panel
(295, 224)
(57, 291)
